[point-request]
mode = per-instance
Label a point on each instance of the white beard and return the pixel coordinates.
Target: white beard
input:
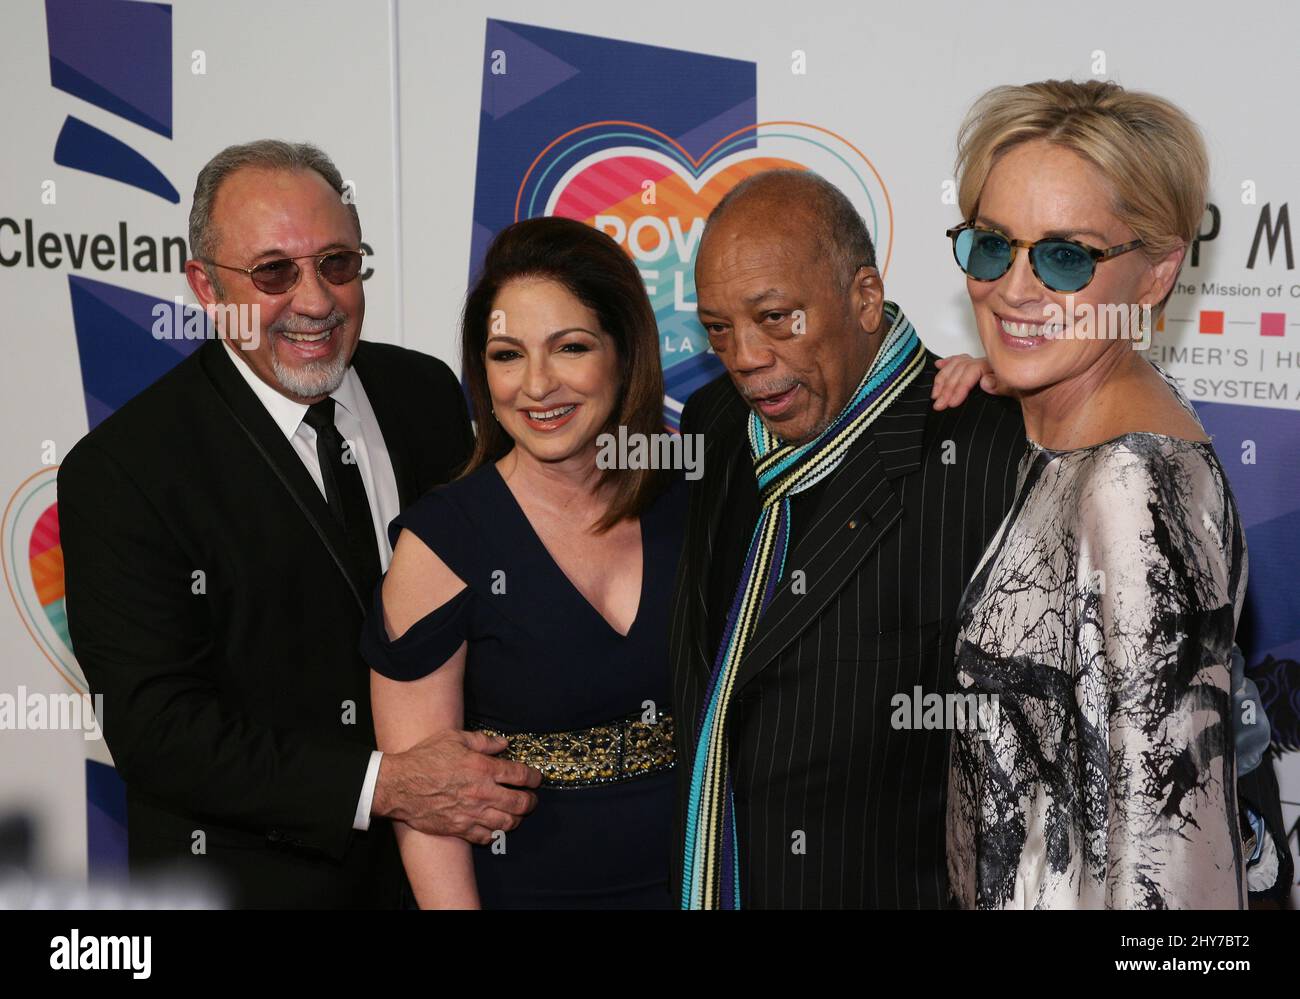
(311, 379)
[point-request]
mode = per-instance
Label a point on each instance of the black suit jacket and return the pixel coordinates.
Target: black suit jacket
(213, 603)
(834, 806)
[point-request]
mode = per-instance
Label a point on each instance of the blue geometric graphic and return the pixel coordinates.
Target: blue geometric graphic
(1267, 491)
(115, 342)
(116, 54)
(84, 147)
(106, 854)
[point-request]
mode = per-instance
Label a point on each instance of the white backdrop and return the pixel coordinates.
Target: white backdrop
(392, 91)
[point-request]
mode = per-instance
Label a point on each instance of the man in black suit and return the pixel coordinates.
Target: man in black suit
(223, 533)
(834, 805)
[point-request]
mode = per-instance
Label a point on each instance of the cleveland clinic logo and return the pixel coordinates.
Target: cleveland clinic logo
(117, 55)
(649, 194)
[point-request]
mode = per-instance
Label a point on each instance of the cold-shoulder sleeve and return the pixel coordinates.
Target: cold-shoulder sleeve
(433, 639)
(1162, 576)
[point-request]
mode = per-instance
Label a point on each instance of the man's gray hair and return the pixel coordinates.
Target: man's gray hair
(266, 154)
(839, 227)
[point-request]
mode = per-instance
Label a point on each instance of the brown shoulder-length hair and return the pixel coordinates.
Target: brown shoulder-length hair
(601, 276)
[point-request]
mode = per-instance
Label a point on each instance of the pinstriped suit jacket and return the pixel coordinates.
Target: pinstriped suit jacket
(835, 807)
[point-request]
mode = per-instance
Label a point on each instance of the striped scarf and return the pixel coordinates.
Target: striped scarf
(711, 869)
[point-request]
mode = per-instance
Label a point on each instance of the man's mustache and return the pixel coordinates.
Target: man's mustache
(305, 324)
(763, 390)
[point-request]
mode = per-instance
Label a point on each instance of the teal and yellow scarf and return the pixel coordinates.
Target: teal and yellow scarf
(711, 870)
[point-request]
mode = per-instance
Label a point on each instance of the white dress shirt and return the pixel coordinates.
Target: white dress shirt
(356, 423)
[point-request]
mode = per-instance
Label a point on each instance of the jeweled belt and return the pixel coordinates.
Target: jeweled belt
(616, 751)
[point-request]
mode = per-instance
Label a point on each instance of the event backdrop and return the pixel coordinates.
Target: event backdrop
(454, 120)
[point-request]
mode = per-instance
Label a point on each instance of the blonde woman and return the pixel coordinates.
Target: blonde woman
(1100, 622)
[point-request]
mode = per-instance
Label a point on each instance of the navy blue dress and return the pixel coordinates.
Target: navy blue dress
(540, 658)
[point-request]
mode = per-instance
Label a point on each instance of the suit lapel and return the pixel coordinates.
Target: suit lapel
(256, 425)
(391, 424)
(730, 453)
(858, 508)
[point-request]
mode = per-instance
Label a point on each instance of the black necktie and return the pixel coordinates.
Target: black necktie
(344, 489)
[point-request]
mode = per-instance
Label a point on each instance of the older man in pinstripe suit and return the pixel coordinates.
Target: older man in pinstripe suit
(822, 801)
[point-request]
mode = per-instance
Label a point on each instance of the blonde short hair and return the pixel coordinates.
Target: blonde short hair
(1148, 151)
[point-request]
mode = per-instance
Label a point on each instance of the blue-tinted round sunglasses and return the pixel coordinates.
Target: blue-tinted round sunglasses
(1060, 264)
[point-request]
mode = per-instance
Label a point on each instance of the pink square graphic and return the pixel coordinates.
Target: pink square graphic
(1211, 322)
(1272, 324)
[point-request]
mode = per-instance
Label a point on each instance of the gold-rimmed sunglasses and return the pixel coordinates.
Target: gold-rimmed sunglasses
(1059, 264)
(275, 277)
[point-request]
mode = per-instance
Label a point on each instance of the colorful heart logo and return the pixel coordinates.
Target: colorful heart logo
(653, 198)
(33, 571)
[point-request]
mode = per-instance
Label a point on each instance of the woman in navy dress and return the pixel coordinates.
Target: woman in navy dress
(531, 597)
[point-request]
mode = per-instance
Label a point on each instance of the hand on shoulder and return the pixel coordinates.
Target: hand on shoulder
(958, 375)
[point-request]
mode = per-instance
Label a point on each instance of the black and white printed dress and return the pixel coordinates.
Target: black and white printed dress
(1102, 617)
